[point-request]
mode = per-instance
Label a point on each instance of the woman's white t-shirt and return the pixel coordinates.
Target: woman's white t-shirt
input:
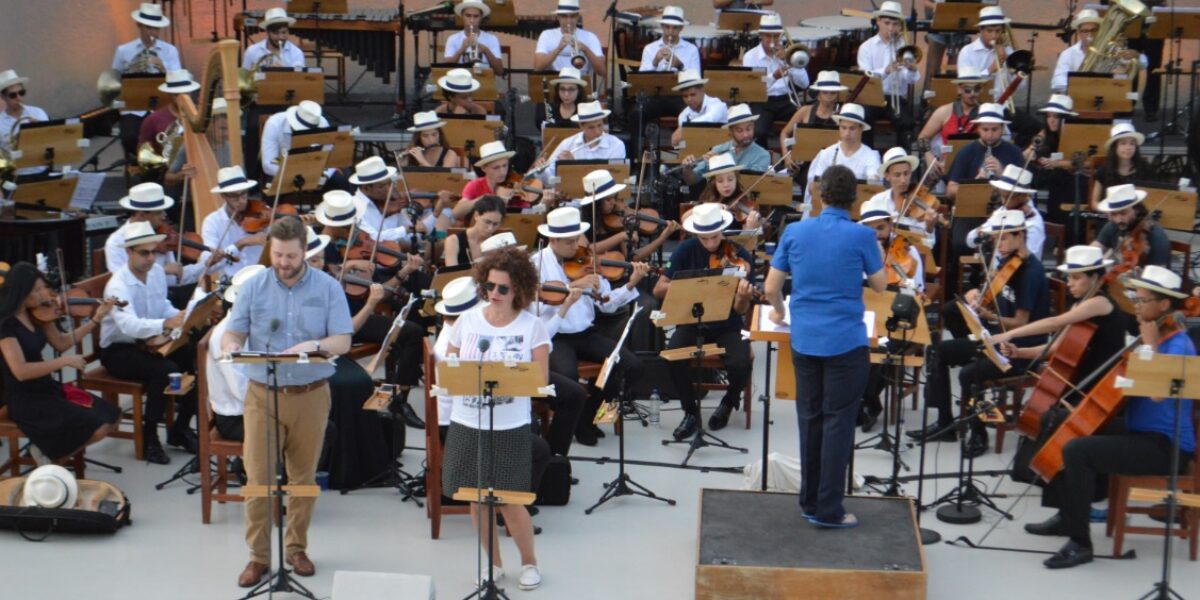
(514, 342)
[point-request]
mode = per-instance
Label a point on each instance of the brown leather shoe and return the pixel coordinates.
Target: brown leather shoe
(252, 574)
(301, 565)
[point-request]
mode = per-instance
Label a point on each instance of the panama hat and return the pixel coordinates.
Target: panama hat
(1120, 197)
(739, 113)
(990, 113)
(571, 75)
(891, 10)
(563, 223)
(313, 244)
(1061, 104)
(895, 156)
(146, 197)
(275, 16)
(139, 233)
(769, 23)
(477, 4)
(459, 296)
(828, 81)
(371, 170)
(178, 82)
(459, 81)
(10, 78)
(721, 163)
(968, 75)
(1014, 179)
(303, 116)
(242, 276)
(1121, 131)
(1005, 221)
(1159, 279)
(672, 15)
(874, 209)
(706, 218)
(992, 15)
(590, 111)
(567, 7)
(1084, 258)
(50, 486)
(337, 209)
(1086, 16)
(688, 78)
(231, 180)
(425, 121)
(500, 240)
(150, 15)
(491, 152)
(599, 184)
(854, 113)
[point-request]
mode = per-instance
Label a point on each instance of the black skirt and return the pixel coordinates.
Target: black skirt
(58, 427)
(462, 466)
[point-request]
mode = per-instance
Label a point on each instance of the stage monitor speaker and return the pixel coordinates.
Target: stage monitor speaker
(366, 585)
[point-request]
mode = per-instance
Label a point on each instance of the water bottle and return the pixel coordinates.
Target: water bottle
(655, 407)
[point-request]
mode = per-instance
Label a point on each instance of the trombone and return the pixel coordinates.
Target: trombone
(1000, 65)
(795, 56)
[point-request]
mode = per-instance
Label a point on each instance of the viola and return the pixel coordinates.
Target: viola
(193, 247)
(527, 191)
(554, 293)
(257, 215)
(169, 243)
(387, 254)
(922, 204)
(648, 220)
(355, 283)
(609, 265)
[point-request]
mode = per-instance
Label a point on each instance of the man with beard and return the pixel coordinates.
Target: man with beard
(746, 152)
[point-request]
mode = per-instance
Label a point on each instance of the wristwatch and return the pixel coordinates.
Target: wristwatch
(318, 344)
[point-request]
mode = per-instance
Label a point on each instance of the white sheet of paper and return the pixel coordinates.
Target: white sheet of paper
(869, 321)
(764, 319)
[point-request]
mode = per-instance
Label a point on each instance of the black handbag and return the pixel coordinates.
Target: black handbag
(555, 488)
(101, 508)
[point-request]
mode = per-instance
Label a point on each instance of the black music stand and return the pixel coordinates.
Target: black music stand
(694, 301)
(281, 580)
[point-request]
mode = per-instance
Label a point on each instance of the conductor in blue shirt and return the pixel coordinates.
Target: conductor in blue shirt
(829, 258)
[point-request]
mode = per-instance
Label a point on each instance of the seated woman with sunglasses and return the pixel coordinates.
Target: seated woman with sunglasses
(499, 329)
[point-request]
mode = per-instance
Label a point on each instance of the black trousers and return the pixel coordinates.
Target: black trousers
(567, 404)
(976, 369)
(1113, 451)
(776, 108)
(231, 428)
(736, 360)
(130, 126)
(1153, 49)
(828, 392)
(590, 345)
(152, 370)
(404, 360)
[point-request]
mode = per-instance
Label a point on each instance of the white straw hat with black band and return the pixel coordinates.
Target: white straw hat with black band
(242, 276)
(491, 152)
(313, 244)
(1159, 279)
(569, 75)
(459, 81)
(990, 112)
(1061, 104)
(1005, 221)
(968, 75)
(1086, 16)
(567, 7)
(146, 197)
(1120, 197)
(875, 209)
(275, 16)
(9, 78)
(476, 4)
(1122, 131)
(598, 185)
(739, 113)
(150, 15)
(708, 218)
(371, 170)
(178, 82)
(425, 121)
(590, 111)
(1080, 259)
(337, 209)
(854, 113)
(992, 15)
(231, 180)
(769, 23)
(460, 295)
(50, 486)
(688, 78)
(890, 10)
(673, 15)
(895, 156)
(563, 223)
(140, 233)
(1014, 179)
(828, 81)
(721, 163)
(304, 116)
(497, 241)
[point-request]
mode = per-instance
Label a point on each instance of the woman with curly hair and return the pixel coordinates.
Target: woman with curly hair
(497, 327)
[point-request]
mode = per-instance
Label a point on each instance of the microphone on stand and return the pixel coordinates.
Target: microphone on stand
(274, 328)
(484, 344)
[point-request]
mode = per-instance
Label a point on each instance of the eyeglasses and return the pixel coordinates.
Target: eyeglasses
(15, 95)
(975, 89)
(144, 253)
(1138, 300)
(499, 288)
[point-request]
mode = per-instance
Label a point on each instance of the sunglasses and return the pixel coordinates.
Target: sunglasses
(499, 288)
(971, 90)
(15, 95)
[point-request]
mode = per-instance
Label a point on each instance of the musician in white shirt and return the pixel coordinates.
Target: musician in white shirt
(781, 78)
(981, 53)
(1016, 190)
(486, 45)
(556, 48)
(147, 54)
(274, 50)
(374, 180)
(147, 203)
(880, 57)
(226, 382)
(222, 228)
(278, 130)
(591, 143)
(16, 112)
(670, 52)
(698, 106)
(848, 151)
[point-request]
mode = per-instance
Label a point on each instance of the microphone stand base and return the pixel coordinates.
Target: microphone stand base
(956, 514)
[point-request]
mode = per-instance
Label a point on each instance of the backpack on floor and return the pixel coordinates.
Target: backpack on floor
(101, 508)
(555, 489)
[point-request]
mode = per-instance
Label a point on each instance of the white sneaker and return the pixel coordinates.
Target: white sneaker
(38, 456)
(531, 578)
(497, 574)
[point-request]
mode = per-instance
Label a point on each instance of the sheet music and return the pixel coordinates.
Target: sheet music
(869, 321)
(87, 188)
(615, 357)
(765, 323)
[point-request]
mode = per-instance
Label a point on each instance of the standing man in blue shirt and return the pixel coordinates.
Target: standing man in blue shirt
(1139, 444)
(827, 258)
(288, 308)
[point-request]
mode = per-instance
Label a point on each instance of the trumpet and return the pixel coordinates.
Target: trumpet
(578, 60)
(472, 53)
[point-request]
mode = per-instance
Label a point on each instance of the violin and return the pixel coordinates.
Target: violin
(727, 257)
(609, 265)
(79, 306)
(527, 191)
(922, 205)
(900, 264)
(169, 243)
(648, 220)
(387, 254)
(257, 215)
(193, 246)
(356, 285)
(554, 293)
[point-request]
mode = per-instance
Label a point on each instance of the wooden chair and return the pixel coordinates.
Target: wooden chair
(13, 434)
(1056, 242)
(1119, 487)
(212, 445)
(433, 452)
(1010, 399)
(109, 387)
(99, 262)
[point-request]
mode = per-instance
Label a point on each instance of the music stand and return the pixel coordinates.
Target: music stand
(305, 167)
(488, 379)
(1085, 139)
(974, 199)
(281, 580)
(1100, 92)
(862, 192)
(198, 318)
(279, 86)
(945, 90)
(469, 134)
(695, 301)
(553, 135)
(341, 139)
(736, 84)
(431, 179)
(140, 92)
(40, 197)
(484, 75)
(955, 16)
(871, 94)
(534, 80)
(772, 190)
(699, 138)
(51, 143)
(1177, 207)
(808, 141)
(950, 147)
(763, 330)
(570, 175)
(523, 227)
(1157, 375)
(738, 20)
(654, 83)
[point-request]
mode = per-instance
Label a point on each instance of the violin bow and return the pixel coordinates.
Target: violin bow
(62, 290)
(183, 199)
(408, 194)
(387, 201)
(990, 275)
(278, 189)
(757, 181)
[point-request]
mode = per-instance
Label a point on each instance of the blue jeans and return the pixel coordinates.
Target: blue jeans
(829, 390)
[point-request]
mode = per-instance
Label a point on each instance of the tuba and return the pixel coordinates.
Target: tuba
(1104, 55)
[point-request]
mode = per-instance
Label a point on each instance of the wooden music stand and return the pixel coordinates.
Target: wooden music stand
(981, 334)
(763, 330)
(1169, 23)
(1100, 92)
(955, 16)
(571, 173)
(197, 319)
(305, 167)
(956, 143)
(281, 86)
(973, 199)
(340, 139)
(534, 81)
(699, 138)
(523, 227)
(511, 379)
(460, 130)
(714, 294)
(773, 190)
(35, 199)
(140, 92)
(326, 7)
(556, 135)
(484, 75)
(1178, 206)
(736, 84)
(810, 141)
(862, 192)
(881, 305)
(1086, 139)
(51, 143)
(738, 20)
(871, 94)
(654, 83)
(429, 179)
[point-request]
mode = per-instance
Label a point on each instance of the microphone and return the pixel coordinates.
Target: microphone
(274, 328)
(484, 344)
